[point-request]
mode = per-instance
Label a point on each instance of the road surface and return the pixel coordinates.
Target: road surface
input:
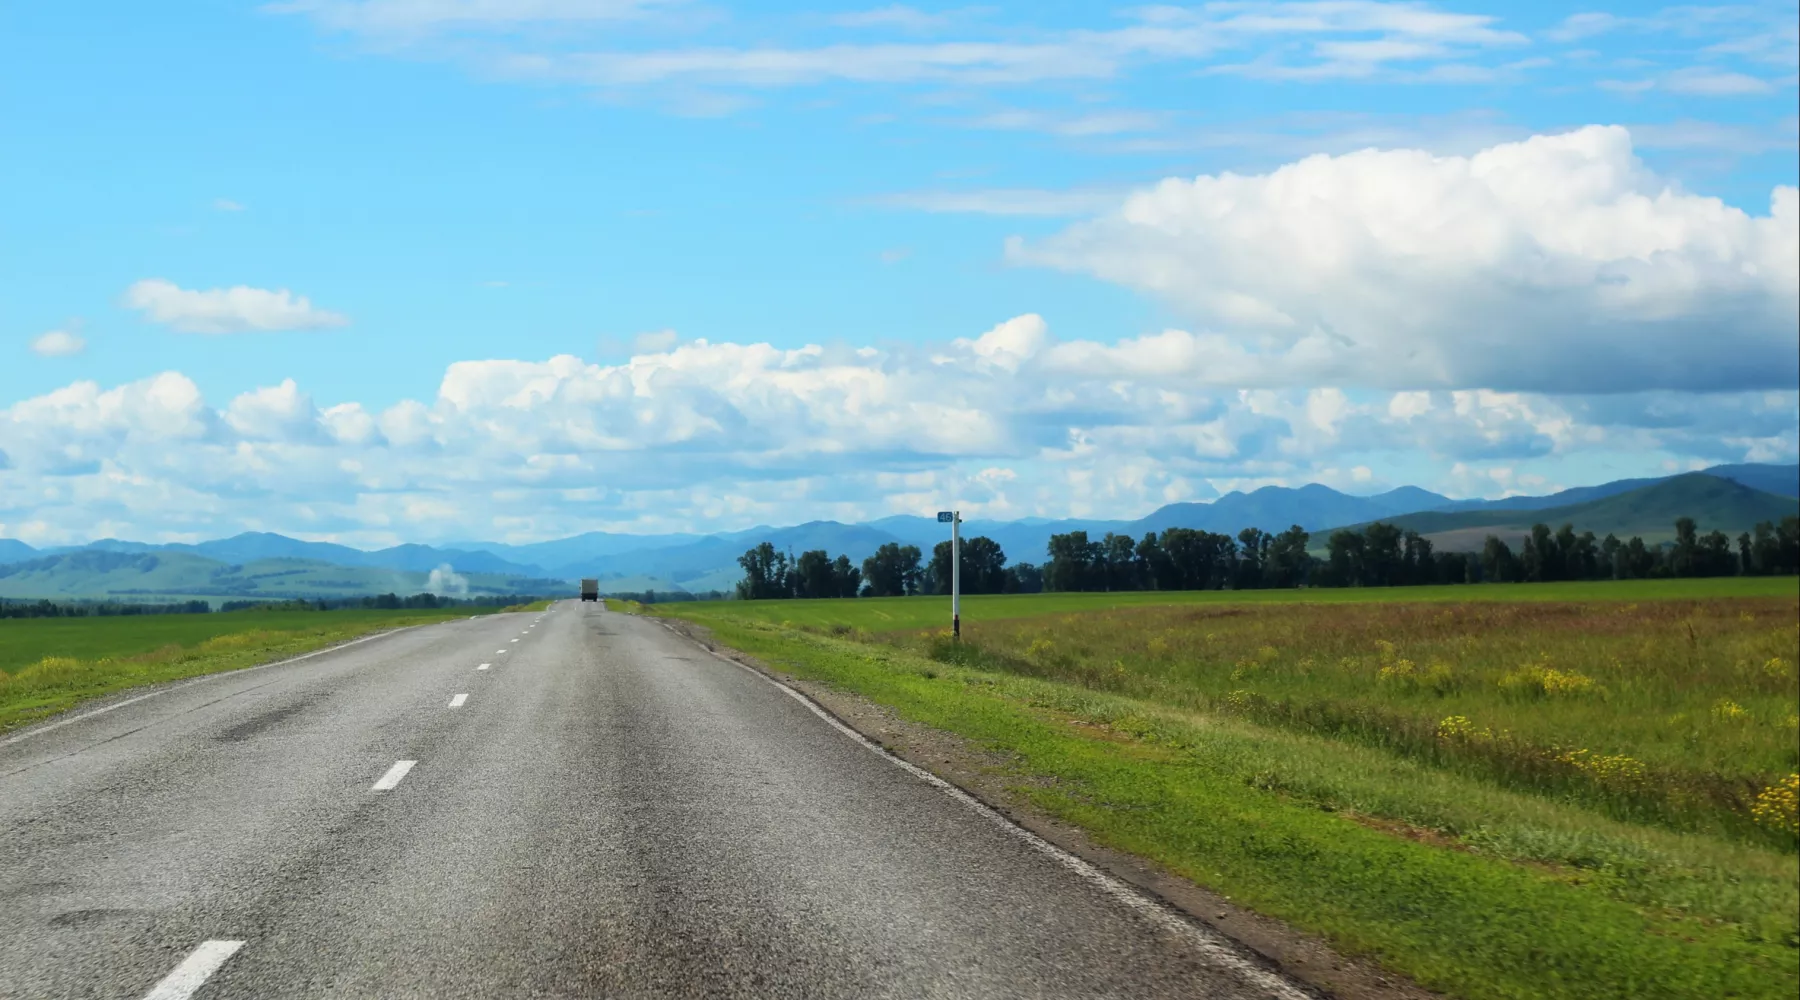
(573, 804)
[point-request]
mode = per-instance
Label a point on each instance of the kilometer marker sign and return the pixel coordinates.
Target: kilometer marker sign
(954, 519)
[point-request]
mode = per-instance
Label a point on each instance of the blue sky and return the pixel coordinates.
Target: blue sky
(422, 203)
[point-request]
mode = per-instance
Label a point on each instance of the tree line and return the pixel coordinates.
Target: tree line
(1770, 549)
(1377, 555)
(665, 596)
(45, 608)
(1384, 555)
(895, 570)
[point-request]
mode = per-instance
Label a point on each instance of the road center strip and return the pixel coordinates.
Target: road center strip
(194, 970)
(393, 776)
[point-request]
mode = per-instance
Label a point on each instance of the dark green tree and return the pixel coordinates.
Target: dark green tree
(1383, 558)
(812, 576)
(1568, 560)
(846, 578)
(1200, 560)
(984, 563)
(1253, 559)
(1118, 562)
(1498, 564)
(1684, 559)
(1418, 566)
(1610, 557)
(1454, 567)
(893, 571)
(1540, 560)
(1787, 545)
(1715, 555)
(1024, 578)
(765, 574)
(1287, 562)
(1344, 563)
(1071, 565)
(1156, 568)
(983, 567)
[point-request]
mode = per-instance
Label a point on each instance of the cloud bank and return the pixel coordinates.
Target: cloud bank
(1010, 423)
(1556, 264)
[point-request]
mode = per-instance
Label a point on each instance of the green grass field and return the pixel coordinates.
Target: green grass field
(884, 613)
(48, 665)
(1523, 791)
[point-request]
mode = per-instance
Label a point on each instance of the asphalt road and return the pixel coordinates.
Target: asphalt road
(610, 812)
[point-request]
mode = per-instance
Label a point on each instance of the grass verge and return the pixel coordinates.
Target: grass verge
(1468, 887)
(108, 655)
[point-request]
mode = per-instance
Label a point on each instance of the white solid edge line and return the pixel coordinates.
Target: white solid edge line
(194, 970)
(1159, 913)
(71, 720)
(393, 776)
(484, 666)
(456, 701)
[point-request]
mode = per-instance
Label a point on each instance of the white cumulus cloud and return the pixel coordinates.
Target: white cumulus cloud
(57, 344)
(238, 309)
(1559, 263)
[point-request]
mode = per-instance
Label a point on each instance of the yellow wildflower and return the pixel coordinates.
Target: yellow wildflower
(1778, 806)
(1727, 710)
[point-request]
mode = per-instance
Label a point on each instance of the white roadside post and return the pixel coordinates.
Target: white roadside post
(955, 519)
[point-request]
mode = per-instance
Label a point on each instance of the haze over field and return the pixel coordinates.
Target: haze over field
(384, 273)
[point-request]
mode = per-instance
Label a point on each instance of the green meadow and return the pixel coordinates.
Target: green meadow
(1579, 790)
(48, 665)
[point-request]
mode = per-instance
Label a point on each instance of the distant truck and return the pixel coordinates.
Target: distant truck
(590, 590)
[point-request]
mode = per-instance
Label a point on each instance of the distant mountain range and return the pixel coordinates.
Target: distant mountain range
(1648, 511)
(261, 564)
(171, 575)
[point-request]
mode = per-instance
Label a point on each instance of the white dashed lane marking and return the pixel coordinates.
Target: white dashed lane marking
(393, 776)
(194, 970)
(457, 701)
(484, 666)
